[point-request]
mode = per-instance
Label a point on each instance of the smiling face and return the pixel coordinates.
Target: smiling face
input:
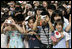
(59, 27)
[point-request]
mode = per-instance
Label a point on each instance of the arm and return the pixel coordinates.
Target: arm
(67, 44)
(2, 27)
(35, 25)
(36, 22)
(50, 24)
(7, 28)
(54, 43)
(23, 24)
(68, 27)
(19, 28)
(24, 11)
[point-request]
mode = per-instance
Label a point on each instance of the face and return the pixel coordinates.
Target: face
(39, 12)
(57, 17)
(36, 4)
(44, 4)
(31, 23)
(59, 28)
(13, 4)
(50, 11)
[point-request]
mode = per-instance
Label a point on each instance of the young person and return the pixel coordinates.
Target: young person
(62, 41)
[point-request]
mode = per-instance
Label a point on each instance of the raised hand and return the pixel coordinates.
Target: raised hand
(23, 23)
(47, 18)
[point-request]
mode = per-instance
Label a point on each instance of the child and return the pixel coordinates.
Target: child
(61, 42)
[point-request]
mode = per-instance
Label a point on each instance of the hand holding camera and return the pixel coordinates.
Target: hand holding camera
(47, 18)
(10, 22)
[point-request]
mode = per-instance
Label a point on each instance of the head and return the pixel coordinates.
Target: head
(51, 9)
(36, 3)
(28, 6)
(63, 9)
(44, 4)
(57, 14)
(31, 22)
(38, 11)
(59, 26)
(11, 3)
(44, 14)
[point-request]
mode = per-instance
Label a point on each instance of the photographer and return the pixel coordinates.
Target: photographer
(14, 33)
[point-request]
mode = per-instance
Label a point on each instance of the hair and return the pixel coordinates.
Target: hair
(31, 18)
(56, 12)
(62, 8)
(51, 7)
(19, 18)
(45, 13)
(59, 22)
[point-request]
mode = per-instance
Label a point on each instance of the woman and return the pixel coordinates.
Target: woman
(62, 41)
(15, 40)
(68, 29)
(31, 30)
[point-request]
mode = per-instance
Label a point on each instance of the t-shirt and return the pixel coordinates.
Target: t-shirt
(62, 42)
(44, 36)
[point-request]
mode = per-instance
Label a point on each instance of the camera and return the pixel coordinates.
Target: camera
(9, 21)
(43, 17)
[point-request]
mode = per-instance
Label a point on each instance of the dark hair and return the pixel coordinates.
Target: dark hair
(18, 9)
(62, 8)
(45, 13)
(51, 7)
(30, 19)
(40, 8)
(56, 12)
(19, 18)
(59, 22)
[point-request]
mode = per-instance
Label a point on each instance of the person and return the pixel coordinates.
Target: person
(51, 9)
(62, 41)
(13, 31)
(33, 41)
(44, 29)
(44, 4)
(68, 29)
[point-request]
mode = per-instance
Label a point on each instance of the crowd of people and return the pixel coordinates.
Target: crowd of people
(36, 24)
